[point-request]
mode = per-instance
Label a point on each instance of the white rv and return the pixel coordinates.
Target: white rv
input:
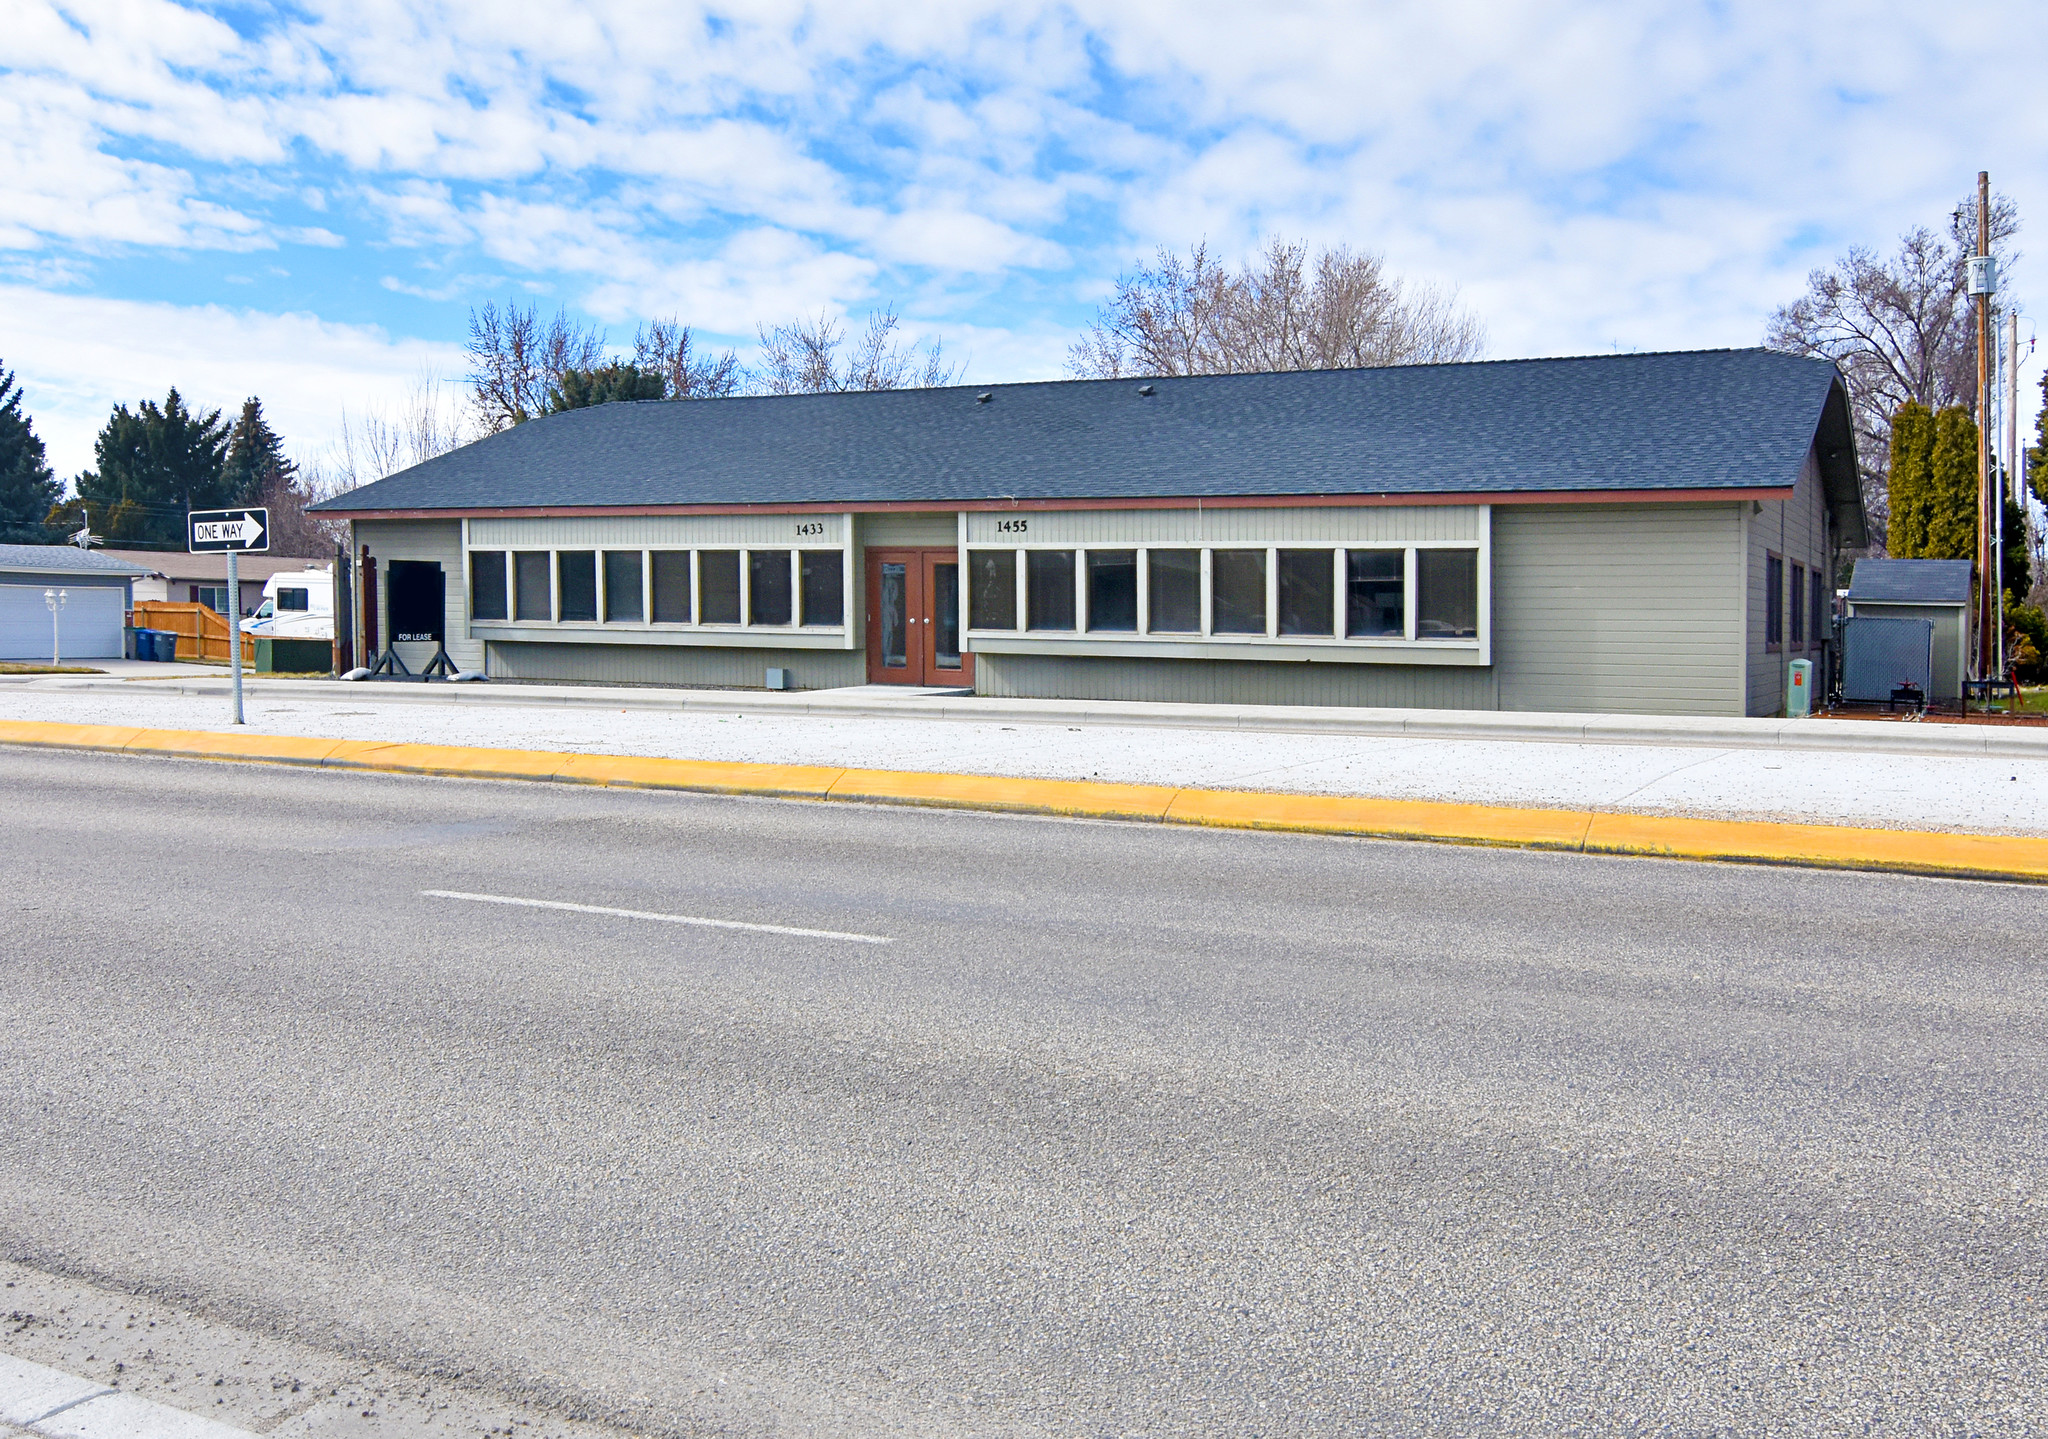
(296, 606)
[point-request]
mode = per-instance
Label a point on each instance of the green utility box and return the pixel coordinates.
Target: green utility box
(1799, 690)
(293, 657)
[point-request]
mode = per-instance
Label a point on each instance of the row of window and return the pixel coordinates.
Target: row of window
(1405, 594)
(1809, 602)
(664, 587)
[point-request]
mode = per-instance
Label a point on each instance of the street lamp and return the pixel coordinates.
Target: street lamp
(55, 600)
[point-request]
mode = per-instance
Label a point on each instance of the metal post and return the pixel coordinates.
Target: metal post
(235, 630)
(1985, 611)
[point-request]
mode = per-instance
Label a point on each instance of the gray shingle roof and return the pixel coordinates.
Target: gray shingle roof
(1911, 582)
(62, 559)
(1687, 420)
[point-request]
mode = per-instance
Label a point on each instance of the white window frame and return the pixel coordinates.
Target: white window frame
(1478, 649)
(795, 634)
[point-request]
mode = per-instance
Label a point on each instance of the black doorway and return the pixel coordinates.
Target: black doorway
(417, 592)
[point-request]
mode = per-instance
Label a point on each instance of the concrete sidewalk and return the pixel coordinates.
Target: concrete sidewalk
(1903, 777)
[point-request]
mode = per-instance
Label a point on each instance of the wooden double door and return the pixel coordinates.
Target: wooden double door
(914, 619)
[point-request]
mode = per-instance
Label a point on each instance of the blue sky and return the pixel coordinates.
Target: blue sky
(303, 202)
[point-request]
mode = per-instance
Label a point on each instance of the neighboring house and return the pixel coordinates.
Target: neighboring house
(1936, 590)
(1635, 533)
(203, 579)
(95, 588)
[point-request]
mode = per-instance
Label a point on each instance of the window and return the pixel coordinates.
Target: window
(992, 589)
(487, 585)
(894, 617)
(1376, 594)
(1799, 604)
(1113, 590)
(622, 599)
(1173, 582)
(576, 582)
(1049, 581)
(1774, 600)
(1818, 609)
(768, 596)
(720, 578)
(1446, 594)
(1237, 580)
(824, 586)
(293, 599)
(670, 572)
(214, 597)
(1308, 584)
(530, 574)
(946, 616)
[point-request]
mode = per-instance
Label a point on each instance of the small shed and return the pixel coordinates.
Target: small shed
(1935, 590)
(97, 596)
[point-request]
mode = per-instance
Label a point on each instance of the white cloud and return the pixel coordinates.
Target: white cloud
(77, 356)
(1589, 172)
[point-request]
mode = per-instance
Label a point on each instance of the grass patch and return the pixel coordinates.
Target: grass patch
(18, 667)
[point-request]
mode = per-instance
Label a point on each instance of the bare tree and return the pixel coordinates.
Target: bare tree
(1193, 316)
(802, 358)
(664, 347)
(374, 444)
(515, 359)
(292, 530)
(1899, 329)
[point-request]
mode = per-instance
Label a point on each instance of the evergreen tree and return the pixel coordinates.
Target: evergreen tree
(154, 465)
(255, 458)
(2019, 565)
(2037, 457)
(1909, 480)
(580, 389)
(1952, 492)
(27, 487)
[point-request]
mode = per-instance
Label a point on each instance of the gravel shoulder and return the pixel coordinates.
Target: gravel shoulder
(1890, 791)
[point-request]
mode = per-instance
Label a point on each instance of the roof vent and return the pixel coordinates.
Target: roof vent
(1147, 390)
(984, 397)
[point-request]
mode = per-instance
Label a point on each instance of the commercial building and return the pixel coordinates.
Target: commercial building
(1630, 533)
(95, 590)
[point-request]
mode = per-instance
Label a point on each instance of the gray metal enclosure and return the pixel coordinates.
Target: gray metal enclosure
(1878, 656)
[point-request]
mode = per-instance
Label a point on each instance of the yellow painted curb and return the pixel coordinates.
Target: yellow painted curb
(2011, 857)
(1084, 798)
(780, 781)
(1384, 818)
(1820, 846)
(68, 736)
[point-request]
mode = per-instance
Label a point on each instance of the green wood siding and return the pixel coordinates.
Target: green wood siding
(1624, 609)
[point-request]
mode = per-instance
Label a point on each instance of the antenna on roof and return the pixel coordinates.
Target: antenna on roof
(85, 539)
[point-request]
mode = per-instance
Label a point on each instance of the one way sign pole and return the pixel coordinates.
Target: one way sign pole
(233, 531)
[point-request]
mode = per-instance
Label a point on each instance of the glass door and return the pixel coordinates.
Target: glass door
(944, 663)
(913, 623)
(896, 610)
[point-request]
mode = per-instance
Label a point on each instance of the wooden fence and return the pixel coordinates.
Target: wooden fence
(202, 634)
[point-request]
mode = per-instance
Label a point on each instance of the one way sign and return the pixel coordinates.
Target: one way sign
(214, 530)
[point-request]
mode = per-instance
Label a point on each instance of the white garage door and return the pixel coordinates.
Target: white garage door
(90, 625)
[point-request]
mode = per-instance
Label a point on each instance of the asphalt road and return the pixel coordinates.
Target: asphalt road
(1126, 1130)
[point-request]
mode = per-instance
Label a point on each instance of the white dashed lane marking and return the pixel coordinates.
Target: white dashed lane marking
(690, 919)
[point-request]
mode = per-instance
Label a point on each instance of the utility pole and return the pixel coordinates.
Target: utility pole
(1980, 288)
